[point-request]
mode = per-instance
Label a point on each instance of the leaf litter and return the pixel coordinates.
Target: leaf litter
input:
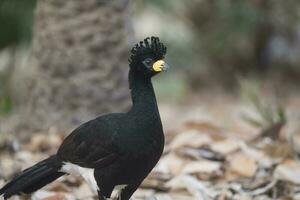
(205, 158)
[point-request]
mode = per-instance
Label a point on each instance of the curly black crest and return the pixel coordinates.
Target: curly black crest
(151, 47)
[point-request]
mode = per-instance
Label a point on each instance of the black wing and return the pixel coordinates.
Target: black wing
(90, 145)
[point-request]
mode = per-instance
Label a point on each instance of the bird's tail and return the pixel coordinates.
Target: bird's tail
(33, 178)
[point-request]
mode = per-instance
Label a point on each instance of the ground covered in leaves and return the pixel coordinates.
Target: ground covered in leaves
(219, 150)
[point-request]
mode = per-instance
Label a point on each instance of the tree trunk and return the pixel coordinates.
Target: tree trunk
(78, 68)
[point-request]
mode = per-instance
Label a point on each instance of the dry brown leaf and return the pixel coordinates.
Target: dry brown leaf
(176, 196)
(224, 195)
(156, 182)
(170, 164)
(203, 152)
(84, 192)
(46, 195)
(225, 146)
(243, 165)
(288, 171)
(259, 156)
(190, 138)
(277, 149)
(294, 141)
(55, 197)
(8, 167)
(44, 142)
(58, 186)
(203, 168)
(25, 156)
(195, 187)
(142, 194)
(202, 126)
(176, 184)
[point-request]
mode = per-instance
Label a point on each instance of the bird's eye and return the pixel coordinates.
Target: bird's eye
(147, 62)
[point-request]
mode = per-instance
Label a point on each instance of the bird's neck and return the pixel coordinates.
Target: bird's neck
(142, 94)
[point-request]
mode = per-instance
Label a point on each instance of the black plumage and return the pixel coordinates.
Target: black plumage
(120, 148)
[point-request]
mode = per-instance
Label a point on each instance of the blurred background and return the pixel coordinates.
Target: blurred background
(235, 69)
(214, 46)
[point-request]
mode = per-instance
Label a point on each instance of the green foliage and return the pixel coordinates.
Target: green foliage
(269, 113)
(166, 5)
(16, 21)
(5, 105)
(16, 18)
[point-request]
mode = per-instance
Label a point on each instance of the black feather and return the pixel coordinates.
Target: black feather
(151, 47)
(33, 178)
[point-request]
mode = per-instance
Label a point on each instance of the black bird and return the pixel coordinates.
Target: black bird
(113, 151)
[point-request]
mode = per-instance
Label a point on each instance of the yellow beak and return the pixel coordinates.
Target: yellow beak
(160, 65)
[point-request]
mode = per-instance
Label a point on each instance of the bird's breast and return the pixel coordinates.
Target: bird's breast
(146, 150)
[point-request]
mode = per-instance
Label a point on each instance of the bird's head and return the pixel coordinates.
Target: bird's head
(147, 57)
